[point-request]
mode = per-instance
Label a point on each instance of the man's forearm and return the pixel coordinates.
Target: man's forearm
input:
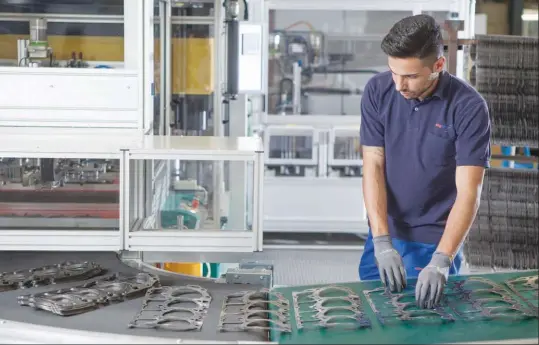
(459, 222)
(374, 190)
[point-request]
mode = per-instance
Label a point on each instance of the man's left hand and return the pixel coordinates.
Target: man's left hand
(431, 281)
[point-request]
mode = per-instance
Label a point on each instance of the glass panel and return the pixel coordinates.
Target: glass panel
(101, 7)
(184, 197)
(51, 193)
(79, 41)
(338, 51)
(192, 79)
(530, 22)
(346, 147)
(189, 9)
(291, 147)
(346, 156)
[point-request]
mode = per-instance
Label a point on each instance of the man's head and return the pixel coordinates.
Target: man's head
(414, 47)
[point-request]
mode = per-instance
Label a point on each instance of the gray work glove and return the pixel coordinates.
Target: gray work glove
(431, 281)
(389, 263)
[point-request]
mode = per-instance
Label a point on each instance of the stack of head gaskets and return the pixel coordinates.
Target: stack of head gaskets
(329, 307)
(50, 274)
(173, 308)
(260, 310)
(402, 306)
(478, 298)
(506, 73)
(527, 289)
(505, 232)
(80, 299)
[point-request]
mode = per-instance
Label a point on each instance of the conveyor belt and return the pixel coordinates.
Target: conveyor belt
(53, 210)
(113, 318)
(89, 193)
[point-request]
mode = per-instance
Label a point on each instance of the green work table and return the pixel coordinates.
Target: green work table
(434, 331)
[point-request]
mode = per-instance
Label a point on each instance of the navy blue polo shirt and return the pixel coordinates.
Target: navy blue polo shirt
(424, 142)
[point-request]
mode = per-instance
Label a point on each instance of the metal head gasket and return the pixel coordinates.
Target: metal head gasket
(330, 306)
(173, 308)
(50, 274)
(76, 300)
(261, 310)
(527, 289)
(470, 299)
(481, 298)
(388, 306)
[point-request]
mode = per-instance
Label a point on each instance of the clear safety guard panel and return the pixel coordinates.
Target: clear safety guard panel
(62, 34)
(60, 203)
(198, 199)
(344, 157)
(59, 194)
(291, 150)
(320, 61)
(183, 68)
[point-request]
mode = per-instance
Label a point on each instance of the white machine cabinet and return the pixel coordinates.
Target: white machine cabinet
(189, 212)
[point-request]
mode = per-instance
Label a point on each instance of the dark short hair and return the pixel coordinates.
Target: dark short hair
(416, 36)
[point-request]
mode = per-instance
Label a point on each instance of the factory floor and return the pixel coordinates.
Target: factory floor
(304, 259)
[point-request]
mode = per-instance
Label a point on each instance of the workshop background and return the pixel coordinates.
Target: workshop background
(119, 126)
(91, 34)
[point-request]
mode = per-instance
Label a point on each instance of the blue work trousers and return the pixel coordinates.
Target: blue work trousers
(415, 257)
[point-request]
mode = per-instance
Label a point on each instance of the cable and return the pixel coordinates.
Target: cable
(309, 25)
(245, 10)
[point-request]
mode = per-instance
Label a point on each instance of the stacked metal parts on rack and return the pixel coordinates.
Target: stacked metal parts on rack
(173, 308)
(505, 233)
(506, 73)
(329, 307)
(260, 310)
(50, 274)
(90, 296)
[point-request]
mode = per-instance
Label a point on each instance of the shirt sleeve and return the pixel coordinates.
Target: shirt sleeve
(371, 132)
(473, 137)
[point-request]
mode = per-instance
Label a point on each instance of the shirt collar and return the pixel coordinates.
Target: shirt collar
(442, 88)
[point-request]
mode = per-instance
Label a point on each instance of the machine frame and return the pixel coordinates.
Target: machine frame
(23, 143)
(129, 149)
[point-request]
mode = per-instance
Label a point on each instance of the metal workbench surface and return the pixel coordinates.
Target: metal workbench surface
(109, 319)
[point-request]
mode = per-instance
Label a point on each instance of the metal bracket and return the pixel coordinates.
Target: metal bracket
(250, 276)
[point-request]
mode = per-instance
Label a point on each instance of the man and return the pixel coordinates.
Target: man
(426, 143)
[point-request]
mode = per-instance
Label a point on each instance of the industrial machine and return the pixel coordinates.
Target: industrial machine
(59, 190)
(317, 68)
(175, 149)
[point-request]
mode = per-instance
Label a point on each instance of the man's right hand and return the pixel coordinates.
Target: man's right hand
(390, 265)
